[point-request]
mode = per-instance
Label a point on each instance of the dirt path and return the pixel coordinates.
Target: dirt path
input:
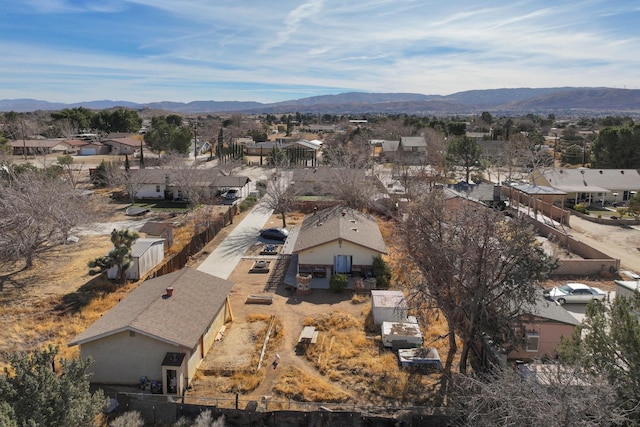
(618, 242)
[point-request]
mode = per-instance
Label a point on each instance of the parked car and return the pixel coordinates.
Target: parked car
(274, 234)
(574, 293)
(232, 194)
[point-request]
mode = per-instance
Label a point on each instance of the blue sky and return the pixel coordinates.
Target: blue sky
(268, 51)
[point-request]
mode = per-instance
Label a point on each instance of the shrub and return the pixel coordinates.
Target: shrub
(338, 282)
(381, 271)
(247, 203)
(582, 208)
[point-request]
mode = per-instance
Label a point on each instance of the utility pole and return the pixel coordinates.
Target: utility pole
(195, 142)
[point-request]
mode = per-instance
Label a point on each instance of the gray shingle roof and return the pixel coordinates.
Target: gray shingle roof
(339, 222)
(142, 244)
(180, 319)
(413, 141)
(552, 311)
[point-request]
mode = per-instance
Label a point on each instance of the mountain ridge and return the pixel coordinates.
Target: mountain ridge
(466, 102)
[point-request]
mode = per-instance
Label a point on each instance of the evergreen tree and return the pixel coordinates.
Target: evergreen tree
(127, 167)
(119, 256)
(608, 343)
(141, 156)
(33, 394)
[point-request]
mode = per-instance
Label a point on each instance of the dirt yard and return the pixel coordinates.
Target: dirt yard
(43, 305)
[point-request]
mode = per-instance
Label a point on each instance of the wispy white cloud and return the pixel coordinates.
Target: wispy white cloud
(146, 50)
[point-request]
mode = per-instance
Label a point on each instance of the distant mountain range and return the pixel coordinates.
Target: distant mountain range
(568, 100)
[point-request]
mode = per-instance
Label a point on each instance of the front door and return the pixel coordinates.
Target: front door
(172, 381)
(342, 264)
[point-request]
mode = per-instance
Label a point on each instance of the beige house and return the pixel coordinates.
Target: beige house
(338, 240)
(161, 331)
(593, 186)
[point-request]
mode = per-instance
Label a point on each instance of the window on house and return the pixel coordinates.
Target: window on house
(132, 334)
(157, 188)
(533, 341)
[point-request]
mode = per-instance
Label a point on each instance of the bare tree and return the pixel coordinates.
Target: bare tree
(132, 180)
(71, 170)
(481, 269)
(281, 195)
(37, 212)
(352, 181)
(191, 181)
(528, 155)
(556, 395)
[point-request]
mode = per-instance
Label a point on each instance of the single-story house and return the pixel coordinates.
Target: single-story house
(323, 181)
(123, 146)
(83, 147)
(338, 240)
(146, 253)
(544, 327)
(39, 146)
(160, 331)
(599, 186)
(171, 183)
(262, 148)
(413, 144)
(388, 306)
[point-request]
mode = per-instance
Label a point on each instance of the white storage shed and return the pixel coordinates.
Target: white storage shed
(626, 288)
(388, 306)
(146, 254)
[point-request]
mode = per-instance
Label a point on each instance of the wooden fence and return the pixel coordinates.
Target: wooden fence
(199, 241)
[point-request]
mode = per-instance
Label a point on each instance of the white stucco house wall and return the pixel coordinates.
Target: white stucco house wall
(162, 331)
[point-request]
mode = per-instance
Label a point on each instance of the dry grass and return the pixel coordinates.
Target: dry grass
(302, 386)
(345, 354)
(246, 379)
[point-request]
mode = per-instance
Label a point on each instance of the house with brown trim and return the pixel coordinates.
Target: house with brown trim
(39, 146)
(338, 240)
(122, 146)
(160, 331)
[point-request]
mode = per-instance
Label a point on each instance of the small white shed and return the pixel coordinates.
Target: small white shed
(388, 306)
(146, 254)
(401, 335)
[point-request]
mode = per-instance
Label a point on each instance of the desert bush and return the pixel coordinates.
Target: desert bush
(248, 203)
(338, 282)
(582, 208)
(128, 419)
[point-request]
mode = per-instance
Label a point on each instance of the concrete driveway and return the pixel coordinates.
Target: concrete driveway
(223, 260)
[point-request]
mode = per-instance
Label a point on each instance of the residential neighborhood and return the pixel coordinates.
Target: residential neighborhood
(384, 259)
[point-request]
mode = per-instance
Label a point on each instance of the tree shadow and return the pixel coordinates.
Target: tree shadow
(8, 279)
(73, 302)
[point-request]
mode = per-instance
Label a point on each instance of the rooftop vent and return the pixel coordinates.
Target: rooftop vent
(344, 213)
(622, 172)
(169, 291)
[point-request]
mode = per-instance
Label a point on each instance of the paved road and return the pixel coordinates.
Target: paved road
(223, 260)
